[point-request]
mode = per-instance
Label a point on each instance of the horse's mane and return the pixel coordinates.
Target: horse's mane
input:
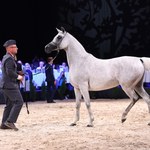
(76, 41)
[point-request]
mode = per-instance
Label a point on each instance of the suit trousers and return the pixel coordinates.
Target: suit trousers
(51, 89)
(14, 103)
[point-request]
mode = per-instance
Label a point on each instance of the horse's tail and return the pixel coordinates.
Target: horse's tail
(146, 63)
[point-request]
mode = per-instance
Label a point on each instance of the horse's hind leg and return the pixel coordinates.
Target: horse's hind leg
(141, 91)
(134, 97)
(78, 104)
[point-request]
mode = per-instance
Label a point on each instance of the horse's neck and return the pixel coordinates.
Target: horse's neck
(75, 52)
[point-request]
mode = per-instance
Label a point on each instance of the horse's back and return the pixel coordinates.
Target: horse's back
(108, 73)
(115, 65)
(129, 69)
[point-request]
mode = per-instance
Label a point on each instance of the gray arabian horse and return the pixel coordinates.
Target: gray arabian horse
(88, 73)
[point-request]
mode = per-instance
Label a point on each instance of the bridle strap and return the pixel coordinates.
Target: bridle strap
(60, 41)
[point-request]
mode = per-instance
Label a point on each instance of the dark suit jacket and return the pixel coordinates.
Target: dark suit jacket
(9, 73)
(49, 73)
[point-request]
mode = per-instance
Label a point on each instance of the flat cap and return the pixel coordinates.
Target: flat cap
(9, 42)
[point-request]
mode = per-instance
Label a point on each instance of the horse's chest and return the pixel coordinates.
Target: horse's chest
(77, 78)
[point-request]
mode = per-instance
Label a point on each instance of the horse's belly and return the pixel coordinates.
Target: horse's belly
(102, 85)
(94, 82)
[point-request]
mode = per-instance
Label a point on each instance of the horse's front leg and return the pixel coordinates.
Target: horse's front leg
(78, 97)
(86, 96)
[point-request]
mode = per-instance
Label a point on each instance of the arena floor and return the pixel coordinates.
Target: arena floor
(47, 127)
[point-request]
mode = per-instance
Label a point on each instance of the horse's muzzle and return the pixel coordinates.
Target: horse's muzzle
(50, 47)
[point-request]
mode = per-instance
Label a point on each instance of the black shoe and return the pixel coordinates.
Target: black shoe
(4, 127)
(11, 125)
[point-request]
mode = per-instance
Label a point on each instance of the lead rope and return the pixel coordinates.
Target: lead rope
(56, 55)
(53, 59)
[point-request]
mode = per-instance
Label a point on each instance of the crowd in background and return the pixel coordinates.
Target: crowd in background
(35, 73)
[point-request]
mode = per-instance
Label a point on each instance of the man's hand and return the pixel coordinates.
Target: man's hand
(55, 82)
(20, 78)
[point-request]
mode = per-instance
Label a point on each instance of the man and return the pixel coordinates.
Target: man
(10, 86)
(51, 87)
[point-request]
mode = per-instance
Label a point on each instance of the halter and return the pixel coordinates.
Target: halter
(57, 44)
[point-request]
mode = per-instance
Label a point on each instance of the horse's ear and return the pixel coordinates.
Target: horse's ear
(58, 30)
(63, 29)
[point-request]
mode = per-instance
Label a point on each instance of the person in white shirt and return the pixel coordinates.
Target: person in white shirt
(41, 68)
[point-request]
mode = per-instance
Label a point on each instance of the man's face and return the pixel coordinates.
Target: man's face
(12, 49)
(51, 62)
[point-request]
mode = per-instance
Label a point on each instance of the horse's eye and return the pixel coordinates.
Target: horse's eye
(59, 37)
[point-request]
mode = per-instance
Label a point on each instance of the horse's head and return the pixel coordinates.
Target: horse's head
(56, 43)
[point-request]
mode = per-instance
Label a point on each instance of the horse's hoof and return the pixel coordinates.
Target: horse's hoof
(148, 124)
(123, 120)
(89, 125)
(73, 124)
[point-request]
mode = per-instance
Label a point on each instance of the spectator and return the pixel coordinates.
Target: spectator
(28, 71)
(57, 73)
(22, 65)
(28, 76)
(35, 63)
(64, 66)
(41, 67)
(62, 85)
(0, 69)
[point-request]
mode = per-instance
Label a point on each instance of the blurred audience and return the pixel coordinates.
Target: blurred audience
(41, 67)
(0, 69)
(55, 76)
